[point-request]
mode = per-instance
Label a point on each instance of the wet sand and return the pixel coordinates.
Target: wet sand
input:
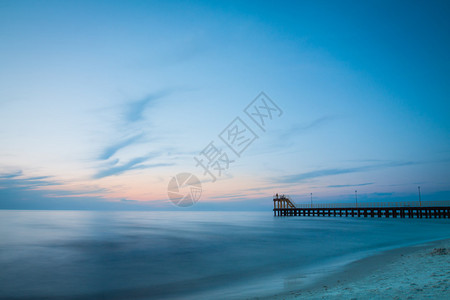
(416, 272)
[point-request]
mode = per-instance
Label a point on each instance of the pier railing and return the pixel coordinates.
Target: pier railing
(375, 204)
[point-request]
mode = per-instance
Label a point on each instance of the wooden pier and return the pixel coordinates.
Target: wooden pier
(283, 206)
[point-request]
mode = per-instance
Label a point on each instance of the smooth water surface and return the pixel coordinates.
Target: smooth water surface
(189, 255)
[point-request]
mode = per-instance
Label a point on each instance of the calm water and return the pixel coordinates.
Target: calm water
(189, 255)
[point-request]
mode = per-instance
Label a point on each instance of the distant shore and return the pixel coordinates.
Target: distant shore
(415, 272)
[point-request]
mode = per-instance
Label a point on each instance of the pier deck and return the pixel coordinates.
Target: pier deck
(283, 206)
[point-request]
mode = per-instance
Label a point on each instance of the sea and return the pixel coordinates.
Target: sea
(187, 255)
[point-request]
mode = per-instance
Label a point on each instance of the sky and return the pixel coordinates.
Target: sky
(102, 103)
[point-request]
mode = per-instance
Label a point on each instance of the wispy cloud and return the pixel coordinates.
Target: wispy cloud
(134, 164)
(319, 173)
(26, 183)
(349, 185)
(302, 127)
(263, 188)
(382, 194)
(314, 123)
(41, 193)
(229, 196)
(11, 174)
(111, 150)
(337, 171)
(134, 110)
(149, 166)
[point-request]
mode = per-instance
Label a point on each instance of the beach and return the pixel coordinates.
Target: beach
(415, 272)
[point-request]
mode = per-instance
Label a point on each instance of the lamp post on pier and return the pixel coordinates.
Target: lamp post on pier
(311, 200)
(356, 197)
(420, 200)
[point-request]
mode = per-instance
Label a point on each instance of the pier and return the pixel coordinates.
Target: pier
(283, 206)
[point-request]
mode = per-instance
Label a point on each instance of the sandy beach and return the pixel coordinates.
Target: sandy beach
(417, 272)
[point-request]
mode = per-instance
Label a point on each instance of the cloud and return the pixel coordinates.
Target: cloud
(11, 174)
(133, 164)
(111, 150)
(70, 193)
(382, 194)
(263, 188)
(229, 196)
(319, 173)
(25, 183)
(134, 110)
(349, 185)
(300, 128)
(129, 200)
(315, 123)
(38, 193)
(149, 166)
(295, 178)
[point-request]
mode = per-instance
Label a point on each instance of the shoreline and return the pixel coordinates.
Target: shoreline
(411, 272)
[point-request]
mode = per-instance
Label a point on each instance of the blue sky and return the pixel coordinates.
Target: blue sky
(103, 102)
